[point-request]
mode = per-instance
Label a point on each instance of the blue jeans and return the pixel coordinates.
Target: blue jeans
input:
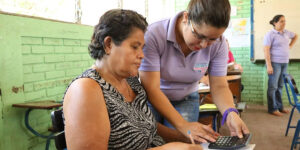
(188, 107)
(275, 84)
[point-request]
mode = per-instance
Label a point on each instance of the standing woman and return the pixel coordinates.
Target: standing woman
(277, 44)
(178, 51)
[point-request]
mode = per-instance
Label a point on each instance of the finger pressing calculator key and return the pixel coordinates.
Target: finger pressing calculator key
(230, 142)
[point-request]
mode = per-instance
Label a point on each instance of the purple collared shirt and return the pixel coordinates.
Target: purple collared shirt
(180, 75)
(279, 45)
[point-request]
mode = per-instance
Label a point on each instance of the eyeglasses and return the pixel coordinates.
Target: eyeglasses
(200, 36)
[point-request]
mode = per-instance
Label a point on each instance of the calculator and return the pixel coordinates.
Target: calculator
(230, 142)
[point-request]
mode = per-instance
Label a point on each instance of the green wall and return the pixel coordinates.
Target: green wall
(38, 58)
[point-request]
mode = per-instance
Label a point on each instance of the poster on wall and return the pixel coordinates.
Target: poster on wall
(238, 32)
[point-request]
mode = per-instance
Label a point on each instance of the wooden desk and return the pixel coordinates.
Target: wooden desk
(234, 82)
(46, 105)
(234, 72)
(203, 91)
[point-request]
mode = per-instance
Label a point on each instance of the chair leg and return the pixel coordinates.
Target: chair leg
(296, 136)
(290, 119)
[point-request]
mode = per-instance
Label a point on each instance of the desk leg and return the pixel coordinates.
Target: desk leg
(214, 123)
(48, 137)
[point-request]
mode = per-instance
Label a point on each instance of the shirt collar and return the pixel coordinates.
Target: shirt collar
(275, 31)
(171, 36)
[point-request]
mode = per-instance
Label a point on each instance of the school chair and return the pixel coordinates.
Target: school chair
(289, 80)
(58, 129)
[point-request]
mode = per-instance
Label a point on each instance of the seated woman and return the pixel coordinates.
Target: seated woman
(105, 107)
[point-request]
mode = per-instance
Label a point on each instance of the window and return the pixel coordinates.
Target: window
(63, 10)
(89, 11)
(93, 9)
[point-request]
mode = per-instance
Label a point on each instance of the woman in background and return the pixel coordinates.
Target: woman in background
(277, 44)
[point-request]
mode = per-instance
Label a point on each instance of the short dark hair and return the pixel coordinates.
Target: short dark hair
(211, 12)
(118, 24)
(275, 19)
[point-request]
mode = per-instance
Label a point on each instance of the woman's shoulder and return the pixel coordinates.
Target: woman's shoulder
(84, 86)
(85, 83)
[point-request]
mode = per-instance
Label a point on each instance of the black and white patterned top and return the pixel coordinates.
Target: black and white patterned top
(133, 125)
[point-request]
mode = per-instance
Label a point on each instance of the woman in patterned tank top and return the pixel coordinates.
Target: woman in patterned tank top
(106, 107)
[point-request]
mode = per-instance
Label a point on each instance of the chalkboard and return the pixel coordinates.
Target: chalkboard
(264, 11)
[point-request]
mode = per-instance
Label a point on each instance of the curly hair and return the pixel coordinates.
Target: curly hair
(211, 12)
(118, 24)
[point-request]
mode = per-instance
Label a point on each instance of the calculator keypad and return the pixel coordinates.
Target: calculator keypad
(230, 142)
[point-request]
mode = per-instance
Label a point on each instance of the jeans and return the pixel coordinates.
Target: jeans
(275, 84)
(188, 107)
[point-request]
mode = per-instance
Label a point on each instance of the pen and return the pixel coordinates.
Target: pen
(191, 138)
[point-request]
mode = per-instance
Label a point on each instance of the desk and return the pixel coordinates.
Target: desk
(234, 72)
(234, 82)
(204, 90)
(217, 115)
(46, 105)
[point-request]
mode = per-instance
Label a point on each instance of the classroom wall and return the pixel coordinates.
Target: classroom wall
(38, 59)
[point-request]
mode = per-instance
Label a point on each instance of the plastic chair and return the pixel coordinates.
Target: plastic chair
(289, 80)
(58, 129)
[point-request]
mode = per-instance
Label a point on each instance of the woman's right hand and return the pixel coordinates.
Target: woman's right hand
(179, 146)
(200, 132)
(269, 69)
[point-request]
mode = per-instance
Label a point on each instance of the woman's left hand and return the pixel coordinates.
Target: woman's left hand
(200, 132)
(236, 126)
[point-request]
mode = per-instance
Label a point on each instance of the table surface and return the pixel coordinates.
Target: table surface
(248, 147)
(233, 77)
(46, 104)
(240, 107)
(234, 72)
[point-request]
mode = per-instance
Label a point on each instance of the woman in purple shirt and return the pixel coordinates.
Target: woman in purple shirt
(178, 51)
(277, 44)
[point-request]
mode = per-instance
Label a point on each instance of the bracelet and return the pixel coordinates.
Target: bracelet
(227, 111)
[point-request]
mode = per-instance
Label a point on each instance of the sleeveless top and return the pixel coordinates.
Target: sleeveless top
(132, 124)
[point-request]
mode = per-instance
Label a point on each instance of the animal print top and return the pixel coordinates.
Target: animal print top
(133, 125)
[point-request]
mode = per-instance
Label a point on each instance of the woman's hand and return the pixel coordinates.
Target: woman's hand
(236, 126)
(200, 133)
(178, 146)
(270, 70)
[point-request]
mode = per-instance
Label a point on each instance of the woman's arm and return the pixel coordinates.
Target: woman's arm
(223, 98)
(86, 118)
(171, 135)
(151, 83)
(268, 59)
(293, 41)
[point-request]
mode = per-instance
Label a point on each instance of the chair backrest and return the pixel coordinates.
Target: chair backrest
(289, 80)
(59, 128)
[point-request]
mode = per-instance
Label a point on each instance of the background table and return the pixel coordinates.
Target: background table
(46, 105)
(235, 86)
